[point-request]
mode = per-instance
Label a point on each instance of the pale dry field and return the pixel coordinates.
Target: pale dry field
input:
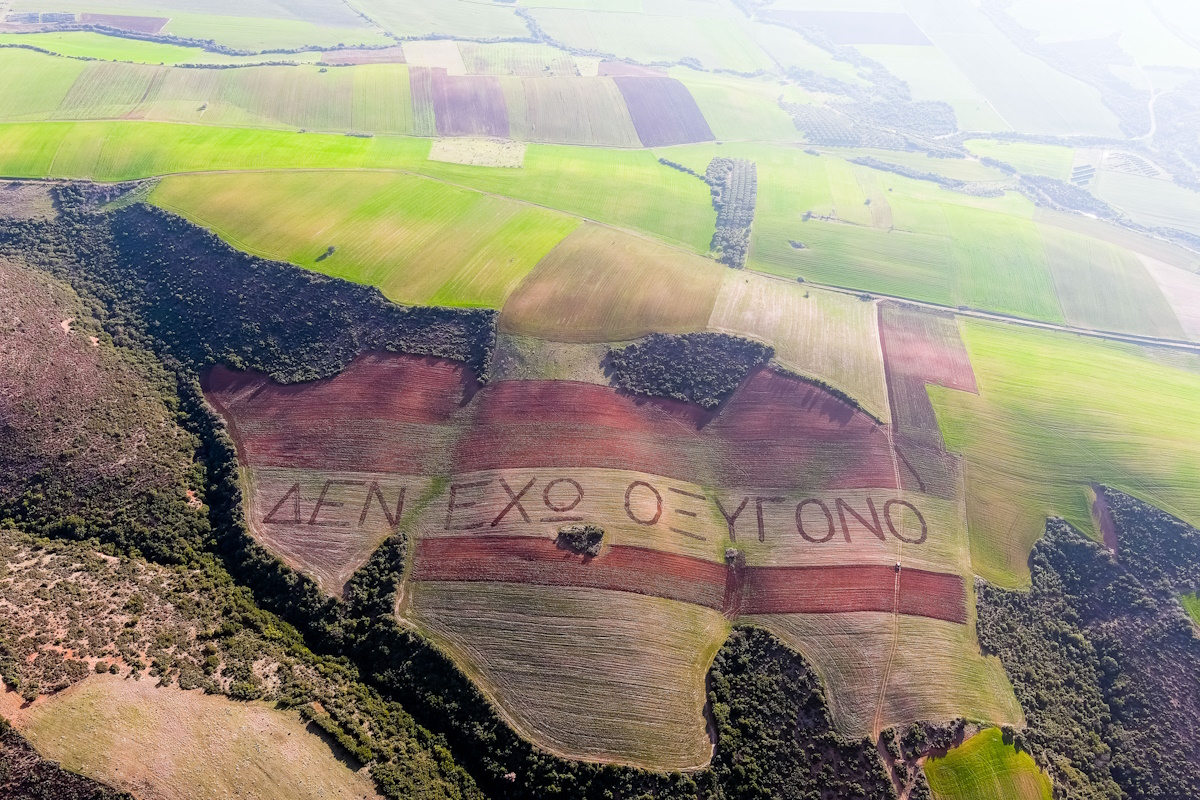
(829, 336)
(586, 673)
(168, 744)
(479, 152)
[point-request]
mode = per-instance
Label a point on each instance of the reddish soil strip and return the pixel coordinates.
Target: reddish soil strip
(126, 23)
(775, 431)
(922, 347)
(854, 27)
(384, 413)
(394, 413)
(933, 594)
(614, 69)
(1101, 512)
(351, 56)
(522, 559)
(781, 431)
(759, 590)
(471, 105)
(925, 344)
(663, 111)
(789, 590)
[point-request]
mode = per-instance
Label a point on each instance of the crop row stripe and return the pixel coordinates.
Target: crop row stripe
(732, 589)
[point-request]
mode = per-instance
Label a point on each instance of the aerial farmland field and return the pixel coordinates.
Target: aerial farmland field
(599, 399)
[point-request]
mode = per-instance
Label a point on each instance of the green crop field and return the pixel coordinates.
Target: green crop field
(932, 76)
(1055, 413)
(450, 18)
(1149, 200)
(628, 188)
(34, 85)
(1050, 160)
(85, 44)
(516, 58)
(1027, 93)
(418, 240)
(1106, 287)
(739, 109)
(251, 25)
(1191, 604)
(715, 41)
(985, 768)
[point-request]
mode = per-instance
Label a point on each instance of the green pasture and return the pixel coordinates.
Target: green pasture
(930, 75)
(985, 768)
(450, 18)
(628, 188)
(373, 97)
(1053, 161)
(242, 24)
(86, 44)
(716, 41)
(739, 109)
(1056, 412)
(1151, 201)
(880, 232)
(419, 240)
(1191, 604)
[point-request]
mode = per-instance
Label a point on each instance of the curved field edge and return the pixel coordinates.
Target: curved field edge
(986, 767)
(169, 743)
(419, 240)
(1056, 413)
(585, 673)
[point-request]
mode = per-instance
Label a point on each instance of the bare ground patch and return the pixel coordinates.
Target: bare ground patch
(479, 152)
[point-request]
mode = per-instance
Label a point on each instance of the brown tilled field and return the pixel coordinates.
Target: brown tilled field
(398, 414)
(585, 673)
(352, 57)
(126, 23)
(470, 105)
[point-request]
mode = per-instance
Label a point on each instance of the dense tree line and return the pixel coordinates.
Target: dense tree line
(204, 302)
(1103, 658)
(700, 368)
(776, 740)
(733, 183)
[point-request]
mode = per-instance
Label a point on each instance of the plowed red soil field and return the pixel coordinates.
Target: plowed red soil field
(391, 413)
(732, 590)
(919, 348)
(524, 559)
